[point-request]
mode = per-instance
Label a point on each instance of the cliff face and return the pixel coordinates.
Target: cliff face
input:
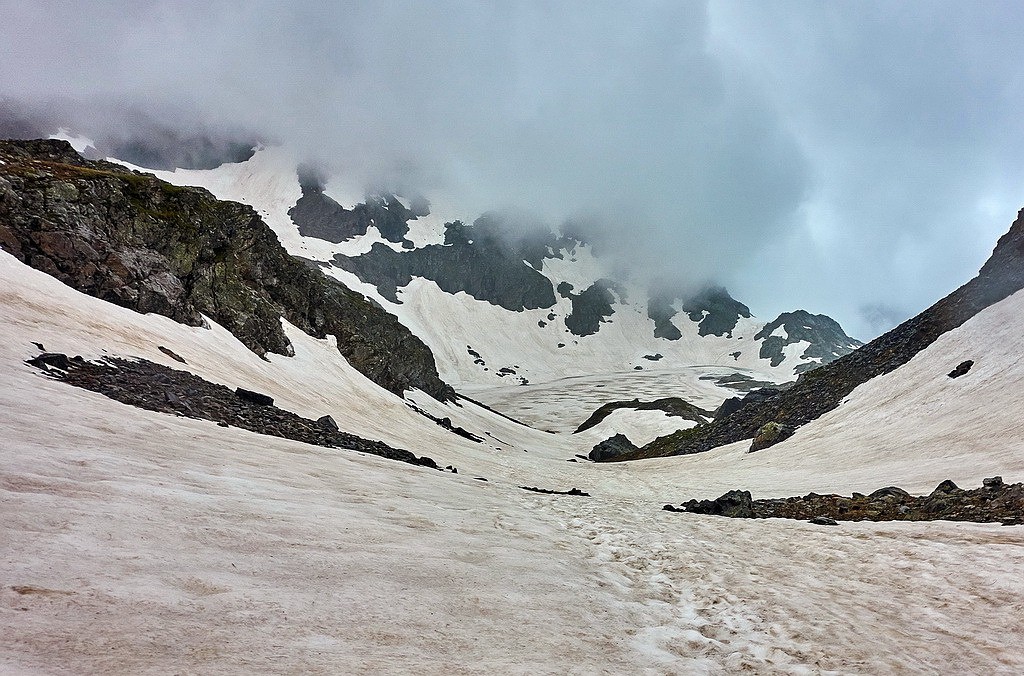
(144, 244)
(823, 389)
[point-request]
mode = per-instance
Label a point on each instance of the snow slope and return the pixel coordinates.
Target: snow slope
(138, 542)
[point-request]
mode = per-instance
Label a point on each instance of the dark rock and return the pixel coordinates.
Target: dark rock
(328, 423)
(223, 424)
(484, 260)
(673, 406)
(823, 521)
(611, 448)
(39, 346)
(51, 360)
(889, 492)
(827, 339)
(170, 353)
(654, 357)
(591, 307)
(770, 434)
(961, 369)
(571, 491)
(946, 486)
(736, 504)
(451, 469)
(992, 482)
(254, 397)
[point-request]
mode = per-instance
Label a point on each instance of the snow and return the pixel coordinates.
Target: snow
(137, 542)
(79, 143)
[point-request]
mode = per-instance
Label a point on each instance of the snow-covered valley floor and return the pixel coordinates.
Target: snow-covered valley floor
(138, 542)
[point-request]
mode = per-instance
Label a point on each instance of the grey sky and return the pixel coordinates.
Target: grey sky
(841, 157)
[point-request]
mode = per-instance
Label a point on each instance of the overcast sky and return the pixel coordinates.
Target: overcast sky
(856, 159)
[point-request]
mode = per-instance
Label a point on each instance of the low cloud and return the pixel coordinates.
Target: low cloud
(829, 157)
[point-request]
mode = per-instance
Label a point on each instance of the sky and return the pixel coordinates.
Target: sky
(853, 159)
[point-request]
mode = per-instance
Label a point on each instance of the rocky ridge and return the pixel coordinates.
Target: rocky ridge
(823, 389)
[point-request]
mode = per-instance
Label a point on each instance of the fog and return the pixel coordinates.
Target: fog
(856, 159)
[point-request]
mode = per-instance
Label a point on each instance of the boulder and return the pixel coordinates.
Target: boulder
(962, 368)
(611, 448)
(736, 504)
(770, 434)
(328, 423)
(254, 397)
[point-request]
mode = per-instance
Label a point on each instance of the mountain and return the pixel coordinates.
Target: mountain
(196, 457)
(504, 300)
(824, 389)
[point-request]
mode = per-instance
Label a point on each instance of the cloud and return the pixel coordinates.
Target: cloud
(829, 156)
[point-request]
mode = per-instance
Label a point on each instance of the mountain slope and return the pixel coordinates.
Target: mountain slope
(823, 389)
(154, 247)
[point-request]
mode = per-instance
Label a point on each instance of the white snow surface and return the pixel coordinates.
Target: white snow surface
(138, 542)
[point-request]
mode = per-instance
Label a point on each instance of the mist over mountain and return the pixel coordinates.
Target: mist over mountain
(839, 151)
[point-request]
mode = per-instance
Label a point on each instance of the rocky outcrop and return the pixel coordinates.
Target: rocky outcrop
(130, 239)
(591, 307)
(154, 387)
(673, 406)
(478, 259)
(825, 337)
(612, 448)
(823, 389)
(317, 215)
(715, 312)
(995, 501)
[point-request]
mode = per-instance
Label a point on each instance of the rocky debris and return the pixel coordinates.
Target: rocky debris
(446, 423)
(823, 521)
(654, 357)
(822, 389)
(673, 406)
(155, 387)
(571, 491)
(733, 404)
(961, 369)
(138, 242)
(995, 501)
(612, 448)
(770, 434)
(451, 468)
(172, 354)
(827, 339)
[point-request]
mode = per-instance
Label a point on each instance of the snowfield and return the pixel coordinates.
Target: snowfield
(138, 542)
